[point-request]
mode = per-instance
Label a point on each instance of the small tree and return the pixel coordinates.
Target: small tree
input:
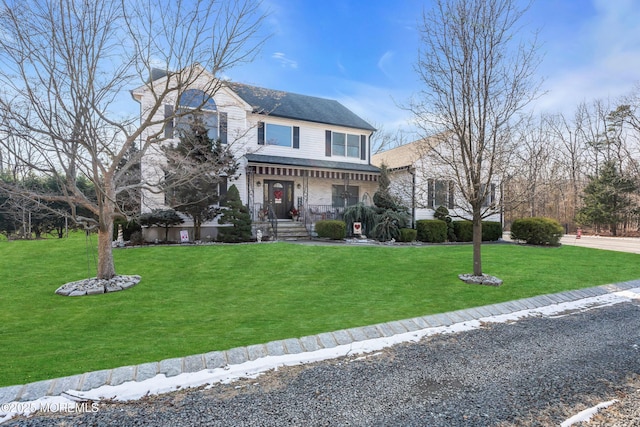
(162, 218)
(238, 216)
(607, 199)
(196, 195)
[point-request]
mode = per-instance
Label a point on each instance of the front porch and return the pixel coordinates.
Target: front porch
(294, 190)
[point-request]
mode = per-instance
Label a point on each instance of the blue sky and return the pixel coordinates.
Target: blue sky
(362, 52)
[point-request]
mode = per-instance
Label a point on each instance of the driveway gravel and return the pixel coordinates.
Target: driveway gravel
(537, 371)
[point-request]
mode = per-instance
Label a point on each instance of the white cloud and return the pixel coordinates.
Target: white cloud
(284, 61)
(384, 61)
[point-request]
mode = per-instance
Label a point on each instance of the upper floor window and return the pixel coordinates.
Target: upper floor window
(196, 109)
(346, 145)
(280, 135)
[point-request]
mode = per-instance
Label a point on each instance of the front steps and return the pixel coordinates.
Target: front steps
(287, 230)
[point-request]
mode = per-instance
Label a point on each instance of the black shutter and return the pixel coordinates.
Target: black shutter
(363, 147)
(493, 194)
(222, 196)
(452, 187)
(223, 128)
(296, 137)
(430, 194)
(168, 126)
(327, 143)
(260, 133)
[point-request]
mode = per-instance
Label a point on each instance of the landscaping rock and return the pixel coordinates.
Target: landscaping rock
(96, 286)
(485, 279)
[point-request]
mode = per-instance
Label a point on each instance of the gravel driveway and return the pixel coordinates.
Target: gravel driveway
(536, 371)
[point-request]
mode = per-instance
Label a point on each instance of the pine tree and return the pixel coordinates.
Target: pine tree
(196, 168)
(607, 198)
(238, 216)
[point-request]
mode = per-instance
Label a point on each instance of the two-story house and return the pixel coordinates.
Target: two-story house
(296, 152)
(416, 177)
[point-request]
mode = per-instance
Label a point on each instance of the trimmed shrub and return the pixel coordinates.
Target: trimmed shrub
(331, 228)
(407, 235)
(431, 230)
(491, 231)
(463, 231)
(537, 231)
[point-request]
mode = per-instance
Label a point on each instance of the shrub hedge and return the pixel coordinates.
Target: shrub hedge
(431, 230)
(407, 235)
(331, 228)
(491, 231)
(537, 231)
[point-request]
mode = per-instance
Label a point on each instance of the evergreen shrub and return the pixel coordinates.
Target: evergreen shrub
(331, 228)
(431, 230)
(407, 235)
(537, 231)
(491, 231)
(463, 231)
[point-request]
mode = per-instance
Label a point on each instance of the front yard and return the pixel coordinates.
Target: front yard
(195, 299)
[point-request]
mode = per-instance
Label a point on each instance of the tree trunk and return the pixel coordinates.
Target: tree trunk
(106, 266)
(477, 242)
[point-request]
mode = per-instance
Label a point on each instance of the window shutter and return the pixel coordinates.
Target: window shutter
(327, 143)
(296, 137)
(222, 187)
(430, 193)
(493, 194)
(223, 128)
(260, 133)
(168, 126)
(451, 190)
(363, 147)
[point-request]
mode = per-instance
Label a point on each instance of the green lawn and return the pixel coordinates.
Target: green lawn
(198, 299)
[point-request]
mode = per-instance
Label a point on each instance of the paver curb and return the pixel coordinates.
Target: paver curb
(219, 359)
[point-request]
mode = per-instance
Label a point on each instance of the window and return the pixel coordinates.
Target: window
(338, 144)
(353, 146)
(490, 197)
(340, 192)
(206, 116)
(283, 136)
(344, 144)
(278, 135)
(440, 193)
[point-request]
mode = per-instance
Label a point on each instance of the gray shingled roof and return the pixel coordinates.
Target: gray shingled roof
(299, 107)
(327, 164)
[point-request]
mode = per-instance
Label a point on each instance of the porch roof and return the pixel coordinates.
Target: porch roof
(311, 163)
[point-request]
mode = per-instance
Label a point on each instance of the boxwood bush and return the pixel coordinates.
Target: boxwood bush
(407, 235)
(537, 231)
(491, 231)
(431, 230)
(331, 228)
(463, 231)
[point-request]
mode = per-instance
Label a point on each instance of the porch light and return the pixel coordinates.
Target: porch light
(258, 183)
(298, 186)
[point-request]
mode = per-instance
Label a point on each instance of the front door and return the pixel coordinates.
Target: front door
(279, 194)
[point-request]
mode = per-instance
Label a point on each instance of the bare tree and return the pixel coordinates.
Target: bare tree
(68, 71)
(476, 78)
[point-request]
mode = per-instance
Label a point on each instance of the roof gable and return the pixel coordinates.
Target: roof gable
(299, 107)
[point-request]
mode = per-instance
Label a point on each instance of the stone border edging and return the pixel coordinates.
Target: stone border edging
(234, 356)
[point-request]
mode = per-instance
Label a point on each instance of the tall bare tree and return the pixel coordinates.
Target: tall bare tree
(68, 68)
(477, 77)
